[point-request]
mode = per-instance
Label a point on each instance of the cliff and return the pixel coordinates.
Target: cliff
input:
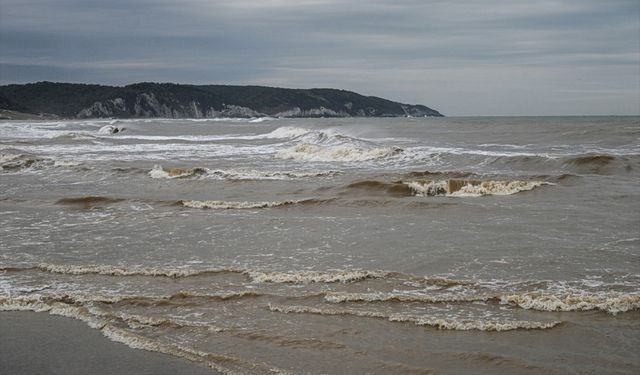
(190, 101)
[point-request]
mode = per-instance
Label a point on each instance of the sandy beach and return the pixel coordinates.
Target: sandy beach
(39, 343)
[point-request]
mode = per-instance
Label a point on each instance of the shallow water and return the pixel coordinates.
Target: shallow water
(439, 245)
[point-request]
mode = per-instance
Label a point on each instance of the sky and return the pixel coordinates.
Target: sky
(463, 58)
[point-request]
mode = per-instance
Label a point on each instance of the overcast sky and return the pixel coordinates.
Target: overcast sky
(469, 57)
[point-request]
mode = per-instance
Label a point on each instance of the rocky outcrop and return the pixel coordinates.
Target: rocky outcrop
(143, 100)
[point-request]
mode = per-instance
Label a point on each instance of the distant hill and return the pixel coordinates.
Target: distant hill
(194, 101)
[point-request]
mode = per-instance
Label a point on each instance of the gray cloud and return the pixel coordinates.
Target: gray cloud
(466, 57)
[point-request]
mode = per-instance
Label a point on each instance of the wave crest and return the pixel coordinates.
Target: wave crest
(471, 188)
(612, 304)
(438, 323)
(226, 205)
(338, 153)
(314, 276)
(161, 172)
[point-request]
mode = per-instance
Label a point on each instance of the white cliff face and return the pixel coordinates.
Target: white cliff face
(107, 108)
(147, 105)
(313, 112)
(236, 111)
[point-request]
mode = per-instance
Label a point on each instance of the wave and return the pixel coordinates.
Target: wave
(259, 276)
(431, 175)
(15, 162)
(88, 202)
(299, 277)
(109, 270)
(111, 129)
(611, 303)
(340, 297)
(471, 188)
(161, 172)
(600, 163)
(339, 153)
(18, 161)
(444, 324)
(226, 205)
(305, 277)
(450, 187)
(441, 290)
(304, 343)
(286, 132)
(396, 189)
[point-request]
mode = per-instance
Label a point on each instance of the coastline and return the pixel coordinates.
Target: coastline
(40, 343)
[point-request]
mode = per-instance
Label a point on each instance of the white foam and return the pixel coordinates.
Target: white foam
(314, 276)
(110, 129)
(9, 157)
(428, 189)
(609, 302)
(225, 205)
(340, 153)
(439, 323)
(472, 188)
(340, 297)
(159, 172)
(496, 188)
(121, 271)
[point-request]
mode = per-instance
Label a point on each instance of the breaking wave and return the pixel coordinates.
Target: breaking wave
(299, 277)
(314, 276)
(450, 187)
(286, 132)
(225, 205)
(471, 188)
(340, 297)
(431, 290)
(16, 162)
(611, 303)
(328, 145)
(445, 324)
(108, 270)
(161, 172)
(111, 129)
(338, 153)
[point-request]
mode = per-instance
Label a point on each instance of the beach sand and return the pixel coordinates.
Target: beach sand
(39, 343)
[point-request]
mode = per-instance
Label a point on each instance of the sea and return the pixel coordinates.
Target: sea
(476, 245)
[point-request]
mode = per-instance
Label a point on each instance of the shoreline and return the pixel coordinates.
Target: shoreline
(40, 343)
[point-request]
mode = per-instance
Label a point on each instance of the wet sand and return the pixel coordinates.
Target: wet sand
(39, 343)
